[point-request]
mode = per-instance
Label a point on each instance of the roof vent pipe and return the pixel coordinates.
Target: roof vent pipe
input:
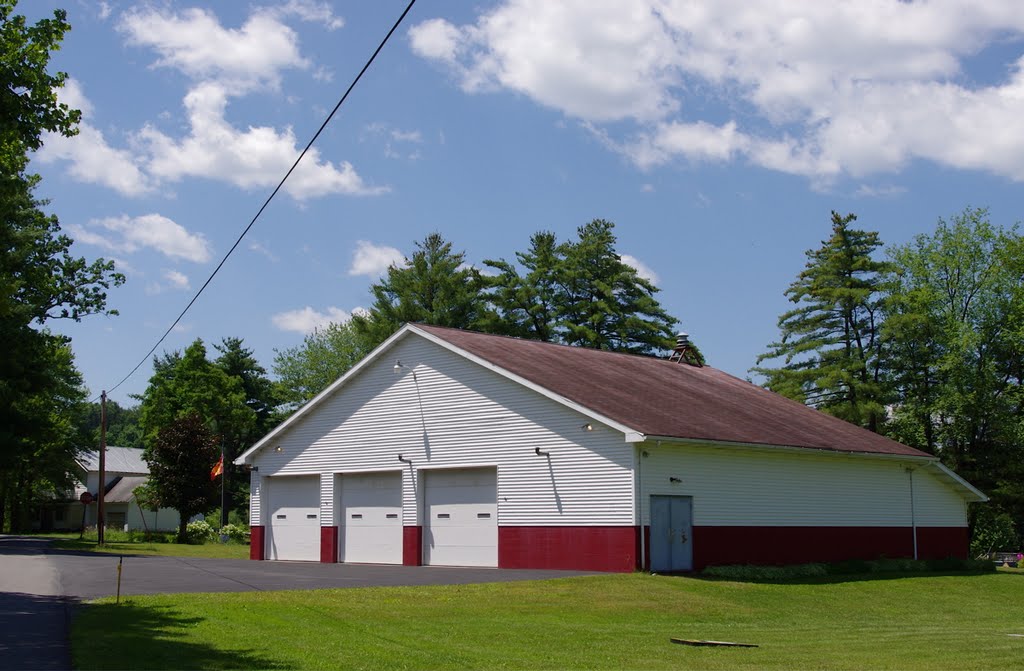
(684, 351)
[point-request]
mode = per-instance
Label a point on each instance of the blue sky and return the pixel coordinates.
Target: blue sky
(717, 136)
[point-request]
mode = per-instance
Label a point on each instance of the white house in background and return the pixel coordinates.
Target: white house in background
(124, 470)
(448, 447)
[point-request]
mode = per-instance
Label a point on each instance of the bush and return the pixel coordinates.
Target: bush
(236, 533)
(852, 567)
(199, 532)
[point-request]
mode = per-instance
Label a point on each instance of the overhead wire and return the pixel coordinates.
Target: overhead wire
(269, 198)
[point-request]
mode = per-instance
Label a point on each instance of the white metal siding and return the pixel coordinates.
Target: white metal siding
(462, 517)
(749, 487)
(457, 413)
(935, 504)
(255, 509)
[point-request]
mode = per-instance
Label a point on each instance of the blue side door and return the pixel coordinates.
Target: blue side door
(671, 533)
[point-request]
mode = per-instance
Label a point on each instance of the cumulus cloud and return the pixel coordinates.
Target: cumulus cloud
(177, 279)
(91, 158)
(127, 235)
(308, 10)
(846, 88)
(194, 42)
(256, 157)
(305, 320)
(374, 260)
(641, 268)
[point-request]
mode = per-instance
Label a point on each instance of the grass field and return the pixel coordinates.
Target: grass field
(602, 622)
(124, 547)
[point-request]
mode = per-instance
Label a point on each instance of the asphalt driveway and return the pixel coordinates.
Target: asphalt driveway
(39, 586)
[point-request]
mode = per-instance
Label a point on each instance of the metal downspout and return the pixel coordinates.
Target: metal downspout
(913, 518)
(640, 504)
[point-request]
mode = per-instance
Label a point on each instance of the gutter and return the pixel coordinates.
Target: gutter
(703, 442)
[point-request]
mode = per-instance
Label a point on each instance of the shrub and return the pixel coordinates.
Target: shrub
(199, 532)
(236, 533)
(751, 573)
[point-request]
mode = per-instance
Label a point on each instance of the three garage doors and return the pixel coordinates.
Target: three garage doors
(460, 517)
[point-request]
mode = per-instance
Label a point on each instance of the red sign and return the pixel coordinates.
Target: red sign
(85, 498)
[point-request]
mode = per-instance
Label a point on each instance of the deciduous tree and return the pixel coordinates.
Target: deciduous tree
(325, 355)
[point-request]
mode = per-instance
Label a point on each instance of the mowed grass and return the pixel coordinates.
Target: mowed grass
(121, 547)
(601, 622)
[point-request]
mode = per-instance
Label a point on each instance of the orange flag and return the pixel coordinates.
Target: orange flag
(217, 469)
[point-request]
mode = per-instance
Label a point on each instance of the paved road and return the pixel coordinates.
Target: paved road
(40, 585)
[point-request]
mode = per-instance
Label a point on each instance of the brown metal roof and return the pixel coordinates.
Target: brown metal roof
(658, 397)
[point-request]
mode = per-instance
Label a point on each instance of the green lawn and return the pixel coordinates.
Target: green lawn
(119, 547)
(607, 622)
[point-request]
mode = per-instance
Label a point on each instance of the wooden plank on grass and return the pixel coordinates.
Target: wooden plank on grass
(719, 644)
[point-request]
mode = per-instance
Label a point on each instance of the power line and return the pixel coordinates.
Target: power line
(269, 198)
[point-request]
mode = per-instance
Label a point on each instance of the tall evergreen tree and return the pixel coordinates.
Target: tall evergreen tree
(830, 344)
(434, 286)
(526, 306)
(578, 292)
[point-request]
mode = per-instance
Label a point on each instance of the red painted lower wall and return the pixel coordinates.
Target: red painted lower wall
(257, 542)
(943, 542)
(799, 545)
(328, 545)
(412, 546)
(579, 548)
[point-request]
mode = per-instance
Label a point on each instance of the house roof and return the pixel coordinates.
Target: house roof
(118, 460)
(664, 399)
(123, 491)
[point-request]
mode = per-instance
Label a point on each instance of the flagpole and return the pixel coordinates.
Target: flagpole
(223, 489)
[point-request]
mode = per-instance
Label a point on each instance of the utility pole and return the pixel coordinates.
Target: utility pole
(101, 489)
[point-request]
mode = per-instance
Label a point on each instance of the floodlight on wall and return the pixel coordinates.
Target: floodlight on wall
(541, 453)
(403, 460)
(278, 449)
(587, 427)
(399, 367)
(674, 479)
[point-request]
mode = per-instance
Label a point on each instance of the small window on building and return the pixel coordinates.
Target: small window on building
(116, 520)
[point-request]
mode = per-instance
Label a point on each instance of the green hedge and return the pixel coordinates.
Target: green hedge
(749, 572)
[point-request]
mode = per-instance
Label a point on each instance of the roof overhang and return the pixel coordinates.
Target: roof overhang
(966, 489)
(913, 458)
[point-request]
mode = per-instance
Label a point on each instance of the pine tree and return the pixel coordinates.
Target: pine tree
(830, 344)
(433, 287)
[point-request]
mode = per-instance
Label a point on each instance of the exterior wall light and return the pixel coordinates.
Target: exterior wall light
(541, 453)
(587, 427)
(278, 449)
(674, 479)
(403, 460)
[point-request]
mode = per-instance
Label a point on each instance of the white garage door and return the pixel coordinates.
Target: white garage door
(371, 518)
(461, 517)
(294, 518)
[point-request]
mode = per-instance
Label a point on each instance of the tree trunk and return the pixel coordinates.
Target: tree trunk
(182, 526)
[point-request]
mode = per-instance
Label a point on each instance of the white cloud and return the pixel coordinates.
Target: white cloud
(262, 249)
(194, 42)
(641, 268)
(126, 234)
(844, 88)
(256, 157)
(374, 260)
(647, 188)
(305, 320)
(92, 159)
(308, 10)
(177, 279)
(104, 10)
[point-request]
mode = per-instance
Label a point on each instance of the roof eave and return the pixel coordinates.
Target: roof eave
(922, 458)
(973, 494)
